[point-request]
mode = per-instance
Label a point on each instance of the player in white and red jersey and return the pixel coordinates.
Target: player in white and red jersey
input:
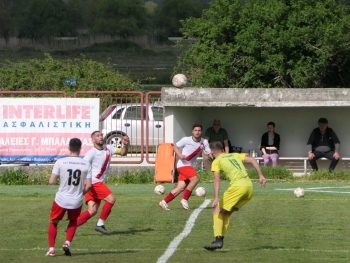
(99, 158)
(188, 178)
(73, 174)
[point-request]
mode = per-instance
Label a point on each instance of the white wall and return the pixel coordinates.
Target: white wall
(246, 124)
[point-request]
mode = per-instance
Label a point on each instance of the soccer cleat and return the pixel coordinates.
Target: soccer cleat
(184, 204)
(66, 250)
(102, 230)
(50, 253)
(163, 205)
(218, 243)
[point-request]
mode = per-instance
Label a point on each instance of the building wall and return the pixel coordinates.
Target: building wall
(245, 125)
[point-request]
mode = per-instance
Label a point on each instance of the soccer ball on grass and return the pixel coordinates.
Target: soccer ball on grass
(299, 192)
(179, 80)
(159, 189)
(200, 191)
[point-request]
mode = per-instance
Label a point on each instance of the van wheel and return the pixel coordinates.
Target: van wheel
(115, 140)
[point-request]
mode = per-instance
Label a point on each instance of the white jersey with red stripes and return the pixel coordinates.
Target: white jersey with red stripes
(99, 161)
(72, 172)
(191, 149)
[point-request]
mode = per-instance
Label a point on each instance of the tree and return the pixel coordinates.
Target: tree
(7, 25)
(269, 43)
(170, 13)
(121, 17)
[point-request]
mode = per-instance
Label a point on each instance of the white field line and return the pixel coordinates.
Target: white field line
(319, 189)
(187, 230)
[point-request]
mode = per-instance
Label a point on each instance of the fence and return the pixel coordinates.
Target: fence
(136, 114)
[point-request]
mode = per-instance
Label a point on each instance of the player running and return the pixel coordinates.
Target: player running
(72, 172)
(99, 158)
(239, 192)
(188, 178)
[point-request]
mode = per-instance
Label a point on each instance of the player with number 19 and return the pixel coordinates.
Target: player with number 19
(73, 174)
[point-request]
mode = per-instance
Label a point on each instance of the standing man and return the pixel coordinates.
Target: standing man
(237, 195)
(99, 158)
(215, 134)
(323, 142)
(188, 178)
(72, 172)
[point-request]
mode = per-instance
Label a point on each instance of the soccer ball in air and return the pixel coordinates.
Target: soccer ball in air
(159, 189)
(299, 192)
(200, 191)
(179, 80)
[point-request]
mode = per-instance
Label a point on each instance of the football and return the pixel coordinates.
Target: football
(299, 192)
(179, 80)
(200, 191)
(159, 189)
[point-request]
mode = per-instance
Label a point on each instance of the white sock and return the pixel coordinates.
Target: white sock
(51, 248)
(67, 242)
(100, 222)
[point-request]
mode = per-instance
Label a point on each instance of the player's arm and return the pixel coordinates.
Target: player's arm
(87, 186)
(216, 188)
(55, 173)
(178, 153)
(53, 179)
(252, 161)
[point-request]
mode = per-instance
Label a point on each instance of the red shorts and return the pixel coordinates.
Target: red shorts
(98, 192)
(58, 212)
(186, 172)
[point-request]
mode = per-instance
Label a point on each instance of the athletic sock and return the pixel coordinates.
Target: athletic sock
(106, 210)
(100, 222)
(169, 197)
(187, 193)
(52, 233)
(84, 216)
(226, 222)
(218, 225)
(71, 229)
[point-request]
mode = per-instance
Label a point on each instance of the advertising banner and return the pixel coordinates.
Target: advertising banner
(38, 130)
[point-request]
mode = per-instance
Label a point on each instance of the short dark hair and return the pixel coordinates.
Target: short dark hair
(216, 146)
(75, 145)
(271, 123)
(323, 120)
(94, 132)
(197, 125)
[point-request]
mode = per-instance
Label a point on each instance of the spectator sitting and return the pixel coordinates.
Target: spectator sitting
(323, 142)
(215, 134)
(270, 144)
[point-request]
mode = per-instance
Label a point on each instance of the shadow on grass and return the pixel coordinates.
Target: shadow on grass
(268, 248)
(131, 231)
(102, 252)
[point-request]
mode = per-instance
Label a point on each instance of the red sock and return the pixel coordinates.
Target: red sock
(84, 216)
(106, 210)
(52, 233)
(169, 197)
(71, 228)
(187, 193)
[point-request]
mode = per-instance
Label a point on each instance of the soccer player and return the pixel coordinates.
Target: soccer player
(239, 192)
(72, 171)
(99, 158)
(188, 178)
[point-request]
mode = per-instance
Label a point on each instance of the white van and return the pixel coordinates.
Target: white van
(125, 119)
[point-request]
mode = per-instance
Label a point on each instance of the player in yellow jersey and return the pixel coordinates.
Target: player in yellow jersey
(239, 192)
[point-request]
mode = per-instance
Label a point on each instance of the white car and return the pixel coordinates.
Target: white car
(118, 120)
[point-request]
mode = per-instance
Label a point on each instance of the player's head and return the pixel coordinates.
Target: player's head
(271, 126)
(97, 138)
(75, 145)
(197, 130)
(216, 148)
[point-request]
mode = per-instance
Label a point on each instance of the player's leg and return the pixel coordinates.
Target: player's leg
(56, 215)
(106, 210)
(193, 181)
(92, 207)
(73, 215)
(180, 186)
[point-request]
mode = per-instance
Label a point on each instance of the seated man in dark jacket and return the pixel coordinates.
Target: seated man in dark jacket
(323, 142)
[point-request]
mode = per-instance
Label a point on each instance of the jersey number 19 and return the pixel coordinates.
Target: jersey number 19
(74, 177)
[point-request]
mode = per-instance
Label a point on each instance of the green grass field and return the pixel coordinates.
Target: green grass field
(274, 227)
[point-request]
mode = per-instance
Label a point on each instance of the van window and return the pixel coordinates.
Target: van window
(118, 114)
(134, 113)
(157, 113)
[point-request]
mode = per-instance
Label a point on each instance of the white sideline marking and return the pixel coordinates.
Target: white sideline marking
(319, 189)
(187, 230)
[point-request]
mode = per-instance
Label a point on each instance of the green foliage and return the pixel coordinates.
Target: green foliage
(21, 177)
(137, 177)
(325, 175)
(268, 43)
(272, 173)
(51, 74)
